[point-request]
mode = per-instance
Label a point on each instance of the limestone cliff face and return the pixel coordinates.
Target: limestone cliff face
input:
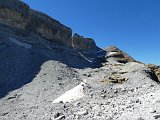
(14, 13)
(49, 28)
(19, 15)
(79, 42)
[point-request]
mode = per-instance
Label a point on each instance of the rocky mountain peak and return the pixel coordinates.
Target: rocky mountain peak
(118, 55)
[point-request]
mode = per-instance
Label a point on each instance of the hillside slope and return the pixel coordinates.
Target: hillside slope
(49, 74)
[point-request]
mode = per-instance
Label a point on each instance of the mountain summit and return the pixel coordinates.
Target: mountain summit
(49, 74)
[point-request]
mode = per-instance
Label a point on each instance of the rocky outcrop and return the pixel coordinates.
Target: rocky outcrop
(14, 13)
(17, 14)
(79, 42)
(154, 68)
(118, 55)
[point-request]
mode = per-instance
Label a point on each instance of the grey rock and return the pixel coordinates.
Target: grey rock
(140, 118)
(3, 114)
(156, 116)
(89, 75)
(59, 116)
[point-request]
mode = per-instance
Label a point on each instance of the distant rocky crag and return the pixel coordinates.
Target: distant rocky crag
(17, 14)
(118, 55)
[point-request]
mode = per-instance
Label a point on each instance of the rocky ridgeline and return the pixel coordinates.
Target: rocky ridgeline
(118, 55)
(17, 14)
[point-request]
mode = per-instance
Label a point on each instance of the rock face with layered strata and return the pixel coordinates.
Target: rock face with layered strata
(14, 13)
(118, 55)
(49, 28)
(79, 42)
(17, 14)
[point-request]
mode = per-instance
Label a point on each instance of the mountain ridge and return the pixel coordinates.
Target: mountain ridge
(17, 14)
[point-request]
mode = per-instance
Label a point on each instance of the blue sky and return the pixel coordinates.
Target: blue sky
(131, 25)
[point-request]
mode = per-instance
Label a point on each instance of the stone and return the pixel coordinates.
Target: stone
(103, 96)
(116, 78)
(152, 110)
(89, 75)
(115, 91)
(59, 116)
(156, 116)
(140, 118)
(84, 74)
(12, 97)
(3, 114)
(59, 78)
(83, 112)
(77, 104)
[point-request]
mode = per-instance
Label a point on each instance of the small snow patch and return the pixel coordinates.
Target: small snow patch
(111, 53)
(25, 45)
(71, 95)
(85, 57)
